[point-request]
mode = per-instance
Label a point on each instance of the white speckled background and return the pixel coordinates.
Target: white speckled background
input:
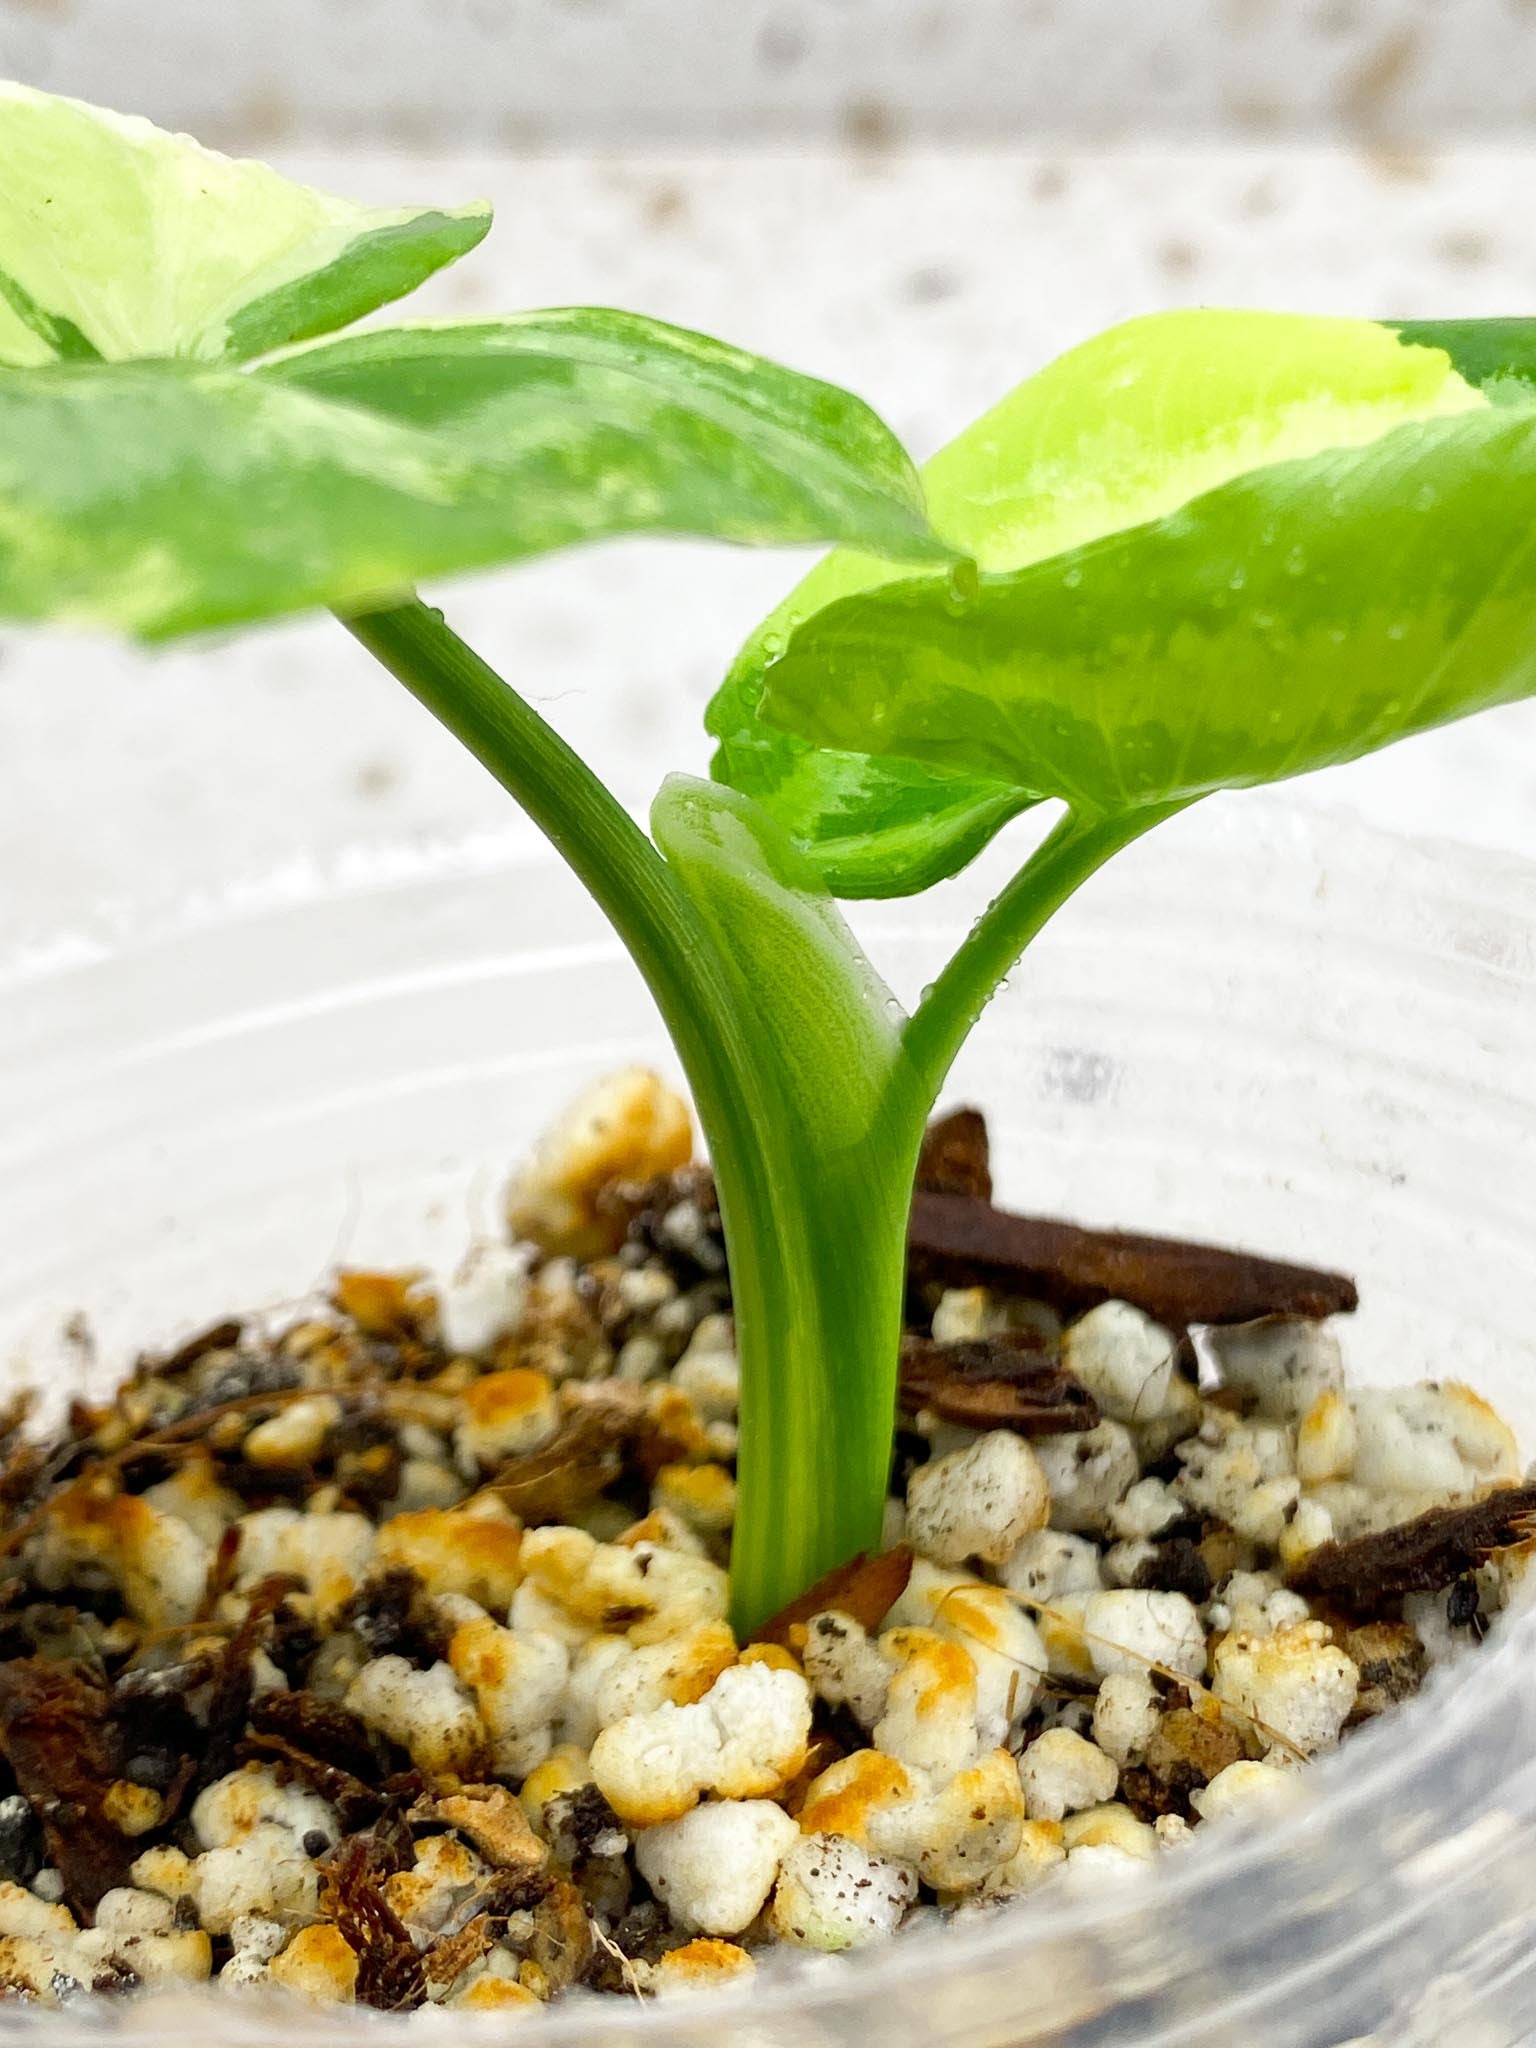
(923, 200)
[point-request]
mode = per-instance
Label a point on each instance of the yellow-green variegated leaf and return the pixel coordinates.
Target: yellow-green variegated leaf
(603, 421)
(162, 497)
(119, 240)
(1297, 617)
(1119, 432)
(1498, 356)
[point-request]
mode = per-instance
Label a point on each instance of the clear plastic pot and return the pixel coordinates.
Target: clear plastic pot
(1258, 1027)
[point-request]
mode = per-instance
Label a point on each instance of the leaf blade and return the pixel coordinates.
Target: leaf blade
(592, 400)
(142, 243)
(1118, 431)
(869, 827)
(1150, 414)
(1498, 356)
(160, 498)
(1295, 618)
(110, 517)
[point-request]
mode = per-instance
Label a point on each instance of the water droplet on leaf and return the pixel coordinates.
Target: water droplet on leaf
(963, 581)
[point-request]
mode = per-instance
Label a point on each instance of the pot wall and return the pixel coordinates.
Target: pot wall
(1312, 1041)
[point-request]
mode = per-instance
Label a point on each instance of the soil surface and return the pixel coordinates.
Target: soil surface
(382, 1655)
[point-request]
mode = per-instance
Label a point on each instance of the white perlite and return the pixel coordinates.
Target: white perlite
(427, 1712)
(1123, 1358)
(1281, 1365)
(1241, 1788)
(485, 1300)
(741, 1741)
(979, 1502)
(1294, 1681)
(846, 1668)
(1061, 1773)
(1050, 1561)
(1127, 1631)
(833, 1895)
(1126, 1712)
(1088, 1472)
(714, 1868)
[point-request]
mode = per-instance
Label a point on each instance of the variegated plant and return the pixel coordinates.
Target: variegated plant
(1204, 550)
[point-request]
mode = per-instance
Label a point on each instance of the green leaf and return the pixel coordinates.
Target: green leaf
(1137, 421)
(118, 240)
(610, 422)
(1299, 616)
(1498, 356)
(1119, 431)
(159, 498)
(155, 498)
(867, 827)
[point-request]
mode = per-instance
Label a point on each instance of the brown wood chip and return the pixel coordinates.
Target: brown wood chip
(1392, 1663)
(560, 1943)
(26, 1468)
(221, 1572)
(322, 1728)
(356, 1804)
(1010, 1381)
(865, 1587)
(1175, 1566)
(390, 1975)
(956, 1158)
(1366, 1572)
(452, 1954)
(223, 1336)
(57, 1735)
(233, 1680)
(959, 1241)
(512, 1891)
(555, 1483)
(393, 1615)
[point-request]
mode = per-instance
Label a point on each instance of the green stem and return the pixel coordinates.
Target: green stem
(815, 1222)
(815, 1233)
(818, 1280)
(1059, 866)
(588, 828)
(600, 842)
